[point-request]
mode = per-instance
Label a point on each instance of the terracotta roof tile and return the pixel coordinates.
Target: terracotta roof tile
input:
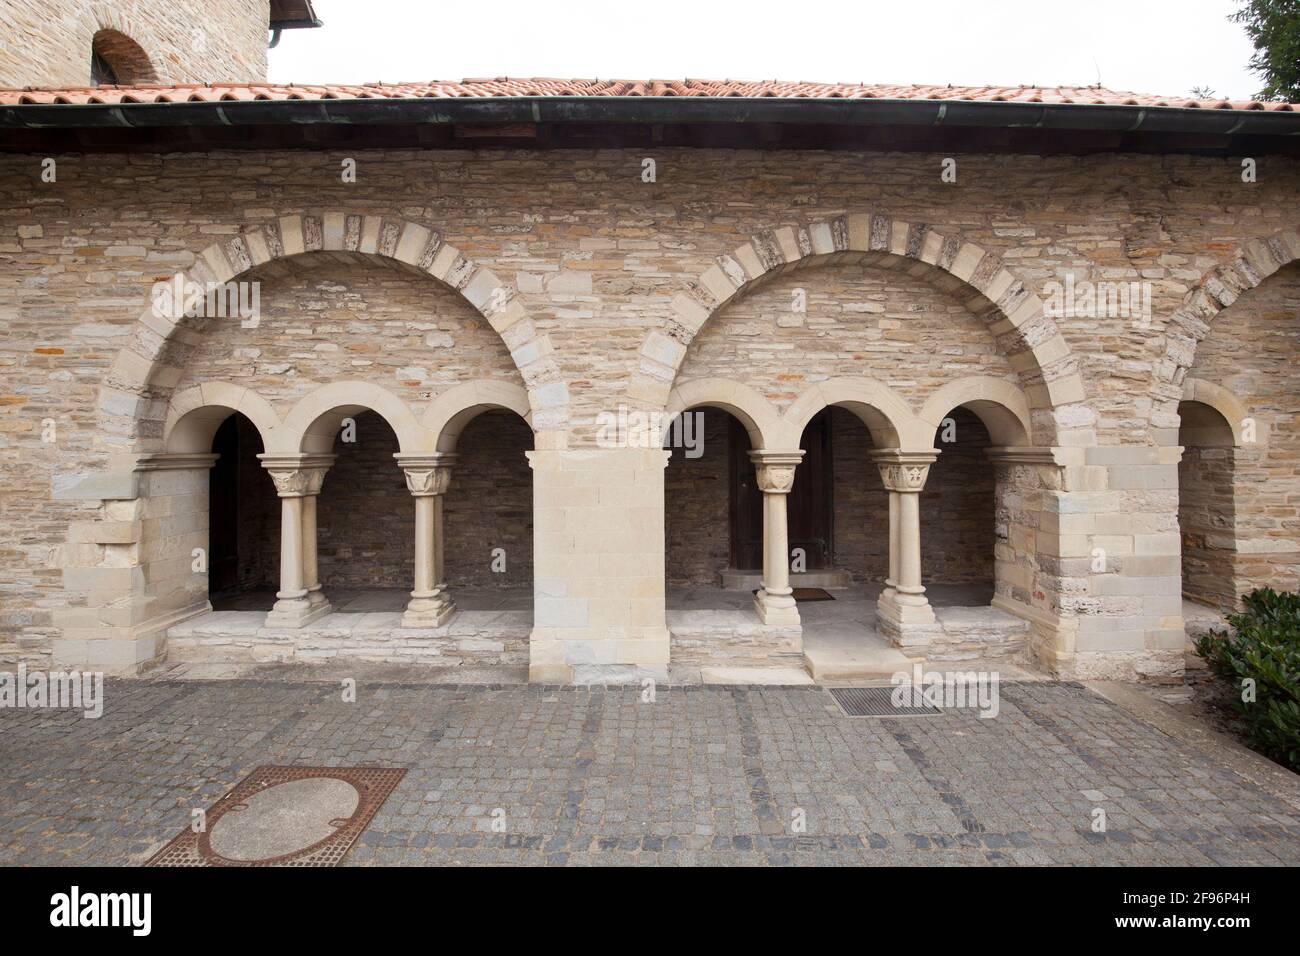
(505, 86)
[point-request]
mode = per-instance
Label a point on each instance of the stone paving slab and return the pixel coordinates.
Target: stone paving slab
(704, 774)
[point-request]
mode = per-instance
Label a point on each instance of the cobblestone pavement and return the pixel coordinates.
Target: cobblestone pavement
(704, 774)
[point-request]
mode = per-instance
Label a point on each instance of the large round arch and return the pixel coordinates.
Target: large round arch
(138, 385)
(1016, 316)
(1218, 287)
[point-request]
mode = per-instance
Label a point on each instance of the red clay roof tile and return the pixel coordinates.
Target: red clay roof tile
(505, 86)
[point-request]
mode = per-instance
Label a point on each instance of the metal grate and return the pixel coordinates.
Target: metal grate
(875, 702)
(373, 785)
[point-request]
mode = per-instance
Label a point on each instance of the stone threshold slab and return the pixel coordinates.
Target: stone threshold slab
(346, 624)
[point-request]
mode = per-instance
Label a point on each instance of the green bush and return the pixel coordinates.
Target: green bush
(1264, 648)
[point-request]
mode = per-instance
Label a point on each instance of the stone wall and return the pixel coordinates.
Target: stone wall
(365, 512)
(857, 320)
(1206, 521)
(490, 504)
(1251, 352)
(328, 318)
(697, 535)
(595, 259)
(860, 501)
(957, 504)
(366, 516)
(184, 41)
(957, 507)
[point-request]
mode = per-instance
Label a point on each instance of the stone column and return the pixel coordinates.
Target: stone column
(297, 477)
(775, 470)
(427, 478)
(903, 612)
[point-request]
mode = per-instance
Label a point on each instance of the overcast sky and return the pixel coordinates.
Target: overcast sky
(1149, 46)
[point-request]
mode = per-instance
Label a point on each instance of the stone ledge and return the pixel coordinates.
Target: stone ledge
(470, 638)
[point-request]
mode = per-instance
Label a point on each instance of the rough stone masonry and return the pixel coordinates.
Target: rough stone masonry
(554, 285)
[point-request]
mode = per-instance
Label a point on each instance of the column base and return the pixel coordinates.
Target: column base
(317, 597)
(907, 622)
(433, 611)
(776, 608)
(296, 612)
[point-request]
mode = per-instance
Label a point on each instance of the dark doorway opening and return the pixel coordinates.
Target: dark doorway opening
(243, 543)
(809, 506)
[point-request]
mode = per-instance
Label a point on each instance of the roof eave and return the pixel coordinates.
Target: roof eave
(666, 109)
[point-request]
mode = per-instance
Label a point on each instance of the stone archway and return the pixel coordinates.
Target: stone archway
(134, 397)
(1220, 286)
(1013, 314)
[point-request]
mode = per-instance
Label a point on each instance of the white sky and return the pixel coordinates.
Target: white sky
(1148, 46)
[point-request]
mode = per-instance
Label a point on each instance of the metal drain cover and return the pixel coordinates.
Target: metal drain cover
(285, 816)
(875, 702)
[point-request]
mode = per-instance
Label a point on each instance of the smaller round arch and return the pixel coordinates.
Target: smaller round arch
(449, 413)
(1213, 417)
(195, 414)
(314, 422)
(118, 59)
(887, 416)
(997, 403)
(761, 421)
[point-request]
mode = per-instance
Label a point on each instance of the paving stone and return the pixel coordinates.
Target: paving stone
(735, 775)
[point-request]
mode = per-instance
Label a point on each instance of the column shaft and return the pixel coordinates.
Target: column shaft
(424, 546)
(903, 613)
(310, 559)
(291, 584)
(774, 470)
(297, 481)
(909, 586)
(427, 478)
(891, 580)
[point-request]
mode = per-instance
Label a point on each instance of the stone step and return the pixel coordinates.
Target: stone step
(851, 653)
(712, 624)
(974, 622)
(775, 676)
(733, 580)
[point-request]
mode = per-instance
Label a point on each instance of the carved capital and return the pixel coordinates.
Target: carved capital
(775, 470)
(904, 472)
(289, 482)
(297, 476)
(427, 474)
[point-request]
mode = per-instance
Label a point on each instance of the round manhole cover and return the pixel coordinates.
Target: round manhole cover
(283, 819)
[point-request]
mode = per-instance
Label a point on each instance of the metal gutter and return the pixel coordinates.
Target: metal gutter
(660, 109)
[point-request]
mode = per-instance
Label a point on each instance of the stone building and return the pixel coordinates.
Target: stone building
(391, 372)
